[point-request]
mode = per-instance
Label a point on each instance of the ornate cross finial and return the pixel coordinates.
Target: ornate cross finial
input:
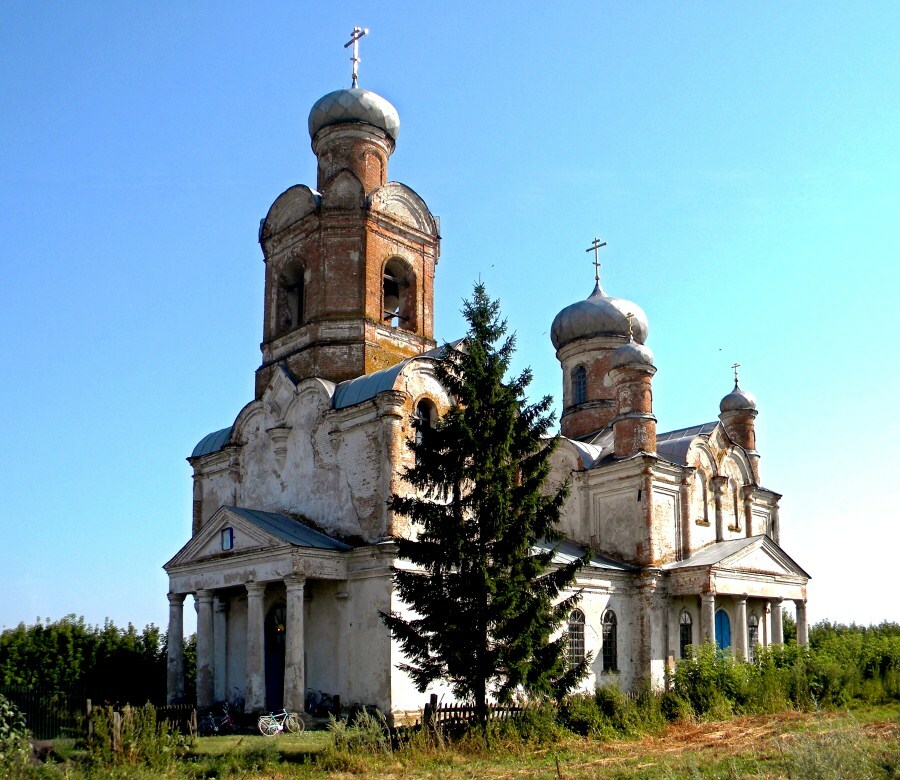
(595, 247)
(358, 32)
(736, 366)
(630, 317)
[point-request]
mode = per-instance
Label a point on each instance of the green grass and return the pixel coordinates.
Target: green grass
(860, 744)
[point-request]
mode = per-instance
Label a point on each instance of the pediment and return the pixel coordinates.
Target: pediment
(291, 206)
(343, 191)
(405, 205)
(207, 544)
(766, 557)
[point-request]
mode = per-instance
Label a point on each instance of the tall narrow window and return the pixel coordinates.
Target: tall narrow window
(735, 500)
(396, 299)
(701, 497)
(610, 642)
(290, 302)
(686, 633)
(752, 636)
(579, 385)
(424, 419)
(576, 637)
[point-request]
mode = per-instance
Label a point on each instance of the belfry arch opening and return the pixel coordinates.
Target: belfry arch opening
(290, 309)
(398, 295)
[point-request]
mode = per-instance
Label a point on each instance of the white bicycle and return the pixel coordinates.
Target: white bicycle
(278, 722)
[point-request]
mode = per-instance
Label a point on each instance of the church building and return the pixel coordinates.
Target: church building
(290, 554)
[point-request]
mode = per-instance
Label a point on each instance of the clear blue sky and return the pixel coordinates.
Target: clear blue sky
(742, 160)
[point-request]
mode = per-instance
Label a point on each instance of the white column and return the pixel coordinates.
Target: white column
(220, 650)
(777, 625)
(175, 649)
(205, 662)
(294, 672)
(256, 662)
(708, 618)
(802, 627)
(741, 640)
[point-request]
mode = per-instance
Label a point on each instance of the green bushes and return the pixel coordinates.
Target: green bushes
(132, 737)
(14, 747)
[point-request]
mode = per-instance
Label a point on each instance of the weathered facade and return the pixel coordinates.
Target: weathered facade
(290, 554)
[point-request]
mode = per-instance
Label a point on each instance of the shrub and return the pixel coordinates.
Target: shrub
(675, 707)
(131, 737)
(352, 742)
(580, 714)
(14, 747)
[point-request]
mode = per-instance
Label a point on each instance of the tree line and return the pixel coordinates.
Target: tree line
(107, 663)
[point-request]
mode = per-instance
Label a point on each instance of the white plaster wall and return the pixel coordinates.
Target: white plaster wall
(236, 648)
(324, 634)
(595, 600)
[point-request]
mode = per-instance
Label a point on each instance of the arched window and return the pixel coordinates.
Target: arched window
(686, 633)
(576, 637)
(752, 636)
(424, 419)
(735, 500)
(610, 642)
(701, 496)
(290, 304)
(579, 385)
(397, 297)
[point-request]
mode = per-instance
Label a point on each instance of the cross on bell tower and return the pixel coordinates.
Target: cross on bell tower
(358, 32)
(595, 247)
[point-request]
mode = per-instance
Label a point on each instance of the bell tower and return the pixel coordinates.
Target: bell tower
(350, 265)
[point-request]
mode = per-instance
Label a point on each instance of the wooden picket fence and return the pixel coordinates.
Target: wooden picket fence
(442, 715)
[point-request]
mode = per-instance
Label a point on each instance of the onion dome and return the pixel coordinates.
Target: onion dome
(354, 105)
(631, 353)
(737, 400)
(599, 315)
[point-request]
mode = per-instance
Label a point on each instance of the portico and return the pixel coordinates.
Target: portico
(252, 606)
(740, 587)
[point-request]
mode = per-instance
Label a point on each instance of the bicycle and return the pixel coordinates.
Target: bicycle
(218, 724)
(277, 722)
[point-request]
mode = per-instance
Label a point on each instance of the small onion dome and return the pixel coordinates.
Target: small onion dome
(354, 105)
(599, 315)
(631, 353)
(737, 400)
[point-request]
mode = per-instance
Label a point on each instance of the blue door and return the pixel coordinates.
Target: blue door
(723, 630)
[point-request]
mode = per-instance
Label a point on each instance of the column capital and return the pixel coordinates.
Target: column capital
(800, 603)
(203, 596)
(295, 583)
(255, 588)
(741, 599)
(776, 602)
(175, 599)
(708, 597)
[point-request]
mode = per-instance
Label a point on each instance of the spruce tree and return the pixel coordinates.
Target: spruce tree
(485, 597)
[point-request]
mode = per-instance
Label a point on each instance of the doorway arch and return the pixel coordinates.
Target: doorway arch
(274, 640)
(723, 630)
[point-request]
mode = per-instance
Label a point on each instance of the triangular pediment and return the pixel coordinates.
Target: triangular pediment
(755, 554)
(210, 542)
(762, 557)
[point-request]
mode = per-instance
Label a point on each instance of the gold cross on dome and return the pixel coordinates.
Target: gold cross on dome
(595, 247)
(358, 32)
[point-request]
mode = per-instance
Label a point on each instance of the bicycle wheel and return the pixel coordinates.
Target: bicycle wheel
(267, 725)
(294, 723)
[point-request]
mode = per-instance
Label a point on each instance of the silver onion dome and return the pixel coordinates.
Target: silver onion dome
(599, 315)
(354, 105)
(630, 353)
(737, 400)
